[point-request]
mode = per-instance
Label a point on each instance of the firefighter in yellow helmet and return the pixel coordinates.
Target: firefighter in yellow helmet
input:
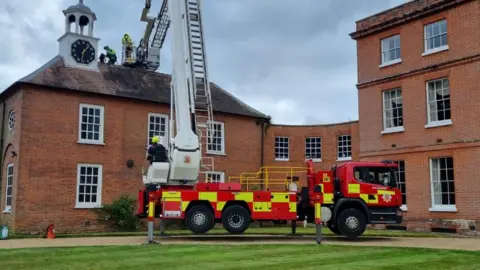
(157, 152)
(128, 45)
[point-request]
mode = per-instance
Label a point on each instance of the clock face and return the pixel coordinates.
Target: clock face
(83, 51)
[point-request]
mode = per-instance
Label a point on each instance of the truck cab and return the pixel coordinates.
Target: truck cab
(356, 194)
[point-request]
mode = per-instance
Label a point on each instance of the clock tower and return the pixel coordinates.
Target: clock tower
(78, 46)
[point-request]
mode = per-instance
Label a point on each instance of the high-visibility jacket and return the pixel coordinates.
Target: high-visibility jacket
(111, 52)
(126, 40)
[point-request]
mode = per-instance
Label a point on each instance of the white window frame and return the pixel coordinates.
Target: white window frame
(383, 43)
(399, 128)
(340, 147)
(399, 172)
(9, 178)
(221, 174)
(438, 123)
(440, 207)
(222, 137)
(99, 186)
(277, 149)
(425, 43)
(100, 140)
(166, 137)
(314, 147)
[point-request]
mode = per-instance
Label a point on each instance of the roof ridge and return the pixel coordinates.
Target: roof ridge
(124, 82)
(41, 69)
(253, 110)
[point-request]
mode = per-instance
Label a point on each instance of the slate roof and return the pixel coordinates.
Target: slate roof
(127, 83)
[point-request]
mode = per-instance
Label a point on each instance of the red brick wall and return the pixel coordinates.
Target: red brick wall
(297, 136)
(405, 10)
(11, 144)
(50, 155)
(418, 189)
(463, 39)
(464, 85)
(417, 144)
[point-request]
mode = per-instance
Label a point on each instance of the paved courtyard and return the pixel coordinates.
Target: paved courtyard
(421, 242)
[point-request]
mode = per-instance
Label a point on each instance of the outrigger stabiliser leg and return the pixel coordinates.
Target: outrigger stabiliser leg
(151, 218)
(318, 223)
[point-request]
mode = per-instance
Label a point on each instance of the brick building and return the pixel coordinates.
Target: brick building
(73, 136)
(47, 148)
(327, 145)
(418, 86)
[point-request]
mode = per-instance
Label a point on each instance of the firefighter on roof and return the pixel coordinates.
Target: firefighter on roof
(127, 45)
(157, 152)
(111, 55)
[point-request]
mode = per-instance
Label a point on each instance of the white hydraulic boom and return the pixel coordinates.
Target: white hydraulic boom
(190, 89)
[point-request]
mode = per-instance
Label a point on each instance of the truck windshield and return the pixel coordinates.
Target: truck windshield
(376, 175)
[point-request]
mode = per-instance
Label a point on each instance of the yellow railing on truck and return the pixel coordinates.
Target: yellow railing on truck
(269, 178)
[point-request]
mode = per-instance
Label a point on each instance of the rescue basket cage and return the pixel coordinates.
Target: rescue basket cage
(270, 178)
(129, 57)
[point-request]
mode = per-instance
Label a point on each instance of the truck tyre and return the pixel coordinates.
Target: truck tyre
(335, 229)
(351, 223)
(199, 219)
(236, 219)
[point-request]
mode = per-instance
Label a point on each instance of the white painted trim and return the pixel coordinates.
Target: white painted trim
(222, 136)
(393, 130)
(338, 148)
(100, 140)
(436, 207)
(391, 62)
(452, 208)
(434, 50)
(99, 186)
(166, 138)
(8, 208)
(321, 148)
(288, 148)
(441, 122)
(222, 175)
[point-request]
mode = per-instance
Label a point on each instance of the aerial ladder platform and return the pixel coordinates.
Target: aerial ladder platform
(147, 56)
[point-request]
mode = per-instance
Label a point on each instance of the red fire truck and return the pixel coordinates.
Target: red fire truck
(346, 198)
(352, 195)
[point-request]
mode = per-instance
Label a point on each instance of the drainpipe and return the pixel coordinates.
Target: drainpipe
(4, 104)
(263, 125)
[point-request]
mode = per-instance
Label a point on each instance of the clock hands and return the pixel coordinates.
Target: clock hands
(83, 52)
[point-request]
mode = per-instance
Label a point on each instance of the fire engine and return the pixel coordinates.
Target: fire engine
(347, 198)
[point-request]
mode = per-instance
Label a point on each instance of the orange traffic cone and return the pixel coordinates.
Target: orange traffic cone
(50, 234)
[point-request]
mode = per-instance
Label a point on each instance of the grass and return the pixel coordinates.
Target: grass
(269, 230)
(237, 257)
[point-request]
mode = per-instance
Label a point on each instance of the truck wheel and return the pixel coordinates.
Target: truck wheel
(335, 229)
(236, 219)
(351, 223)
(199, 219)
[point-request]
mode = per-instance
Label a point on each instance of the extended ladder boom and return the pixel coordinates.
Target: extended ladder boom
(192, 109)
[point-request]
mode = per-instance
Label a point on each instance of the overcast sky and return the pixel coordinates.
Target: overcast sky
(291, 59)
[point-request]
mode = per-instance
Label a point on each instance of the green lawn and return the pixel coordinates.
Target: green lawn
(269, 230)
(237, 257)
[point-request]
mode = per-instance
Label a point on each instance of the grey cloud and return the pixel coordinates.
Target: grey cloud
(292, 59)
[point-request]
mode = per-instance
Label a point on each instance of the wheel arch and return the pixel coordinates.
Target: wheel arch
(200, 202)
(240, 203)
(345, 203)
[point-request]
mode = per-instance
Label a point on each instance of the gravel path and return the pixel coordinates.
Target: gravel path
(438, 243)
